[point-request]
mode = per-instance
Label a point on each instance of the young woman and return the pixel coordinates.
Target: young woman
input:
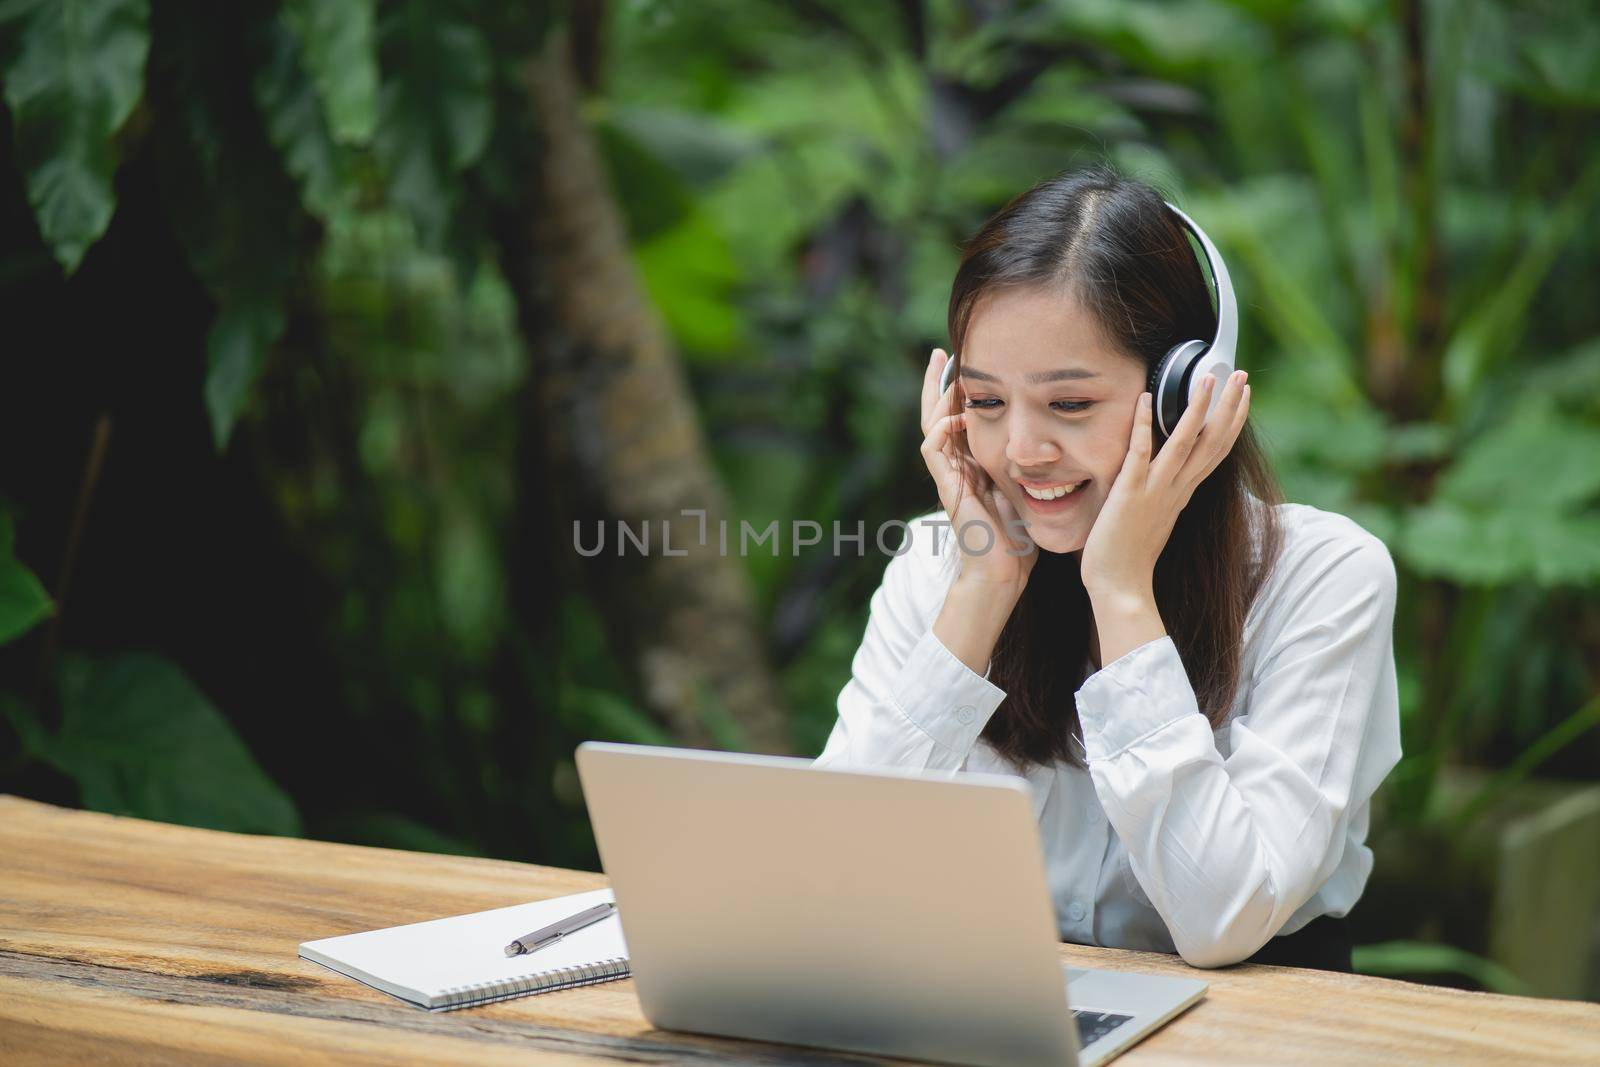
(1196, 679)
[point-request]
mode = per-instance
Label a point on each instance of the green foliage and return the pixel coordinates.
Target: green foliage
(73, 70)
(1396, 959)
(23, 600)
(1502, 784)
(300, 125)
(232, 202)
(1498, 548)
(435, 111)
(139, 739)
(337, 43)
(298, 119)
(1488, 334)
(1536, 459)
(236, 351)
(602, 715)
(387, 829)
(682, 254)
(689, 273)
(440, 364)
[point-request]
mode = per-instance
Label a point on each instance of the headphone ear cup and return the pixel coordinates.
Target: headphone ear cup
(1169, 384)
(1156, 371)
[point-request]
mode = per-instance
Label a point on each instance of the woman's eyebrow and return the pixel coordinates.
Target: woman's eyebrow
(1066, 374)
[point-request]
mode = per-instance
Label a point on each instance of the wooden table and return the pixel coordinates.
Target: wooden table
(125, 941)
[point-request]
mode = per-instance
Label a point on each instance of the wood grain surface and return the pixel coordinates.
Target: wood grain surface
(129, 942)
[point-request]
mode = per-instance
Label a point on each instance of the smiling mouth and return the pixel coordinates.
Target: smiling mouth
(1053, 492)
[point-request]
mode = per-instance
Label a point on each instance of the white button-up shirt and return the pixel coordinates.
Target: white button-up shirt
(1176, 838)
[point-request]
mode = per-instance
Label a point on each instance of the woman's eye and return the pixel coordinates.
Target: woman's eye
(1071, 407)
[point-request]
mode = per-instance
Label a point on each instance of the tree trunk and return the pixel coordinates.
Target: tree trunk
(623, 438)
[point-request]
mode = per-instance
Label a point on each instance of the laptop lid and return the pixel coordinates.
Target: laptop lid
(882, 911)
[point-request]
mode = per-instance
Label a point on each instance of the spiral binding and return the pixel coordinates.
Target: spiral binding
(466, 996)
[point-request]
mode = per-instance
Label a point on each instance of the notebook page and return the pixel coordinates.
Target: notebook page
(419, 961)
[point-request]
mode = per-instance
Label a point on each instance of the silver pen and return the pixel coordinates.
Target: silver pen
(549, 935)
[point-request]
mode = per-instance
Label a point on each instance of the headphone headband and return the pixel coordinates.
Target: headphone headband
(1227, 336)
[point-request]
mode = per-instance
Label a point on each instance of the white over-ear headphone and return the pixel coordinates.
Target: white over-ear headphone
(1177, 375)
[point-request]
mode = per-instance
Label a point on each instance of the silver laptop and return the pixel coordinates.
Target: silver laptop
(886, 911)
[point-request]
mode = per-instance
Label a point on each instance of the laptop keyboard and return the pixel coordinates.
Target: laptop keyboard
(1093, 1025)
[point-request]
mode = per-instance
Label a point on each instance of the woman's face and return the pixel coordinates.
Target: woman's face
(1050, 404)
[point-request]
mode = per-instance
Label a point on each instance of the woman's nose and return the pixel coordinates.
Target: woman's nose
(1029, 448)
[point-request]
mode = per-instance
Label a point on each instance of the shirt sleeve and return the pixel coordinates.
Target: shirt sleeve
(909, 703)
(1228, 849)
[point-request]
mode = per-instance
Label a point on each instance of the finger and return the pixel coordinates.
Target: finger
(1241, 415)
(1219, 433)
(1227, 436)
(937, 450)
(955, 471)
(1178, 447)
(1136, 464)
(1010, 521)
(930, 385)
(938, 437)
(1231, 411)
(960, 452)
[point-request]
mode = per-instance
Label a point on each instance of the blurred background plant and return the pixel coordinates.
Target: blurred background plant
(327, 321)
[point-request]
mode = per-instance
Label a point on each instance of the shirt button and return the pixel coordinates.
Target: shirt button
(965, 713)
(1076, 913)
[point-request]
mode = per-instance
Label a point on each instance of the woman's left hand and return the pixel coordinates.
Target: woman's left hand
(1119, 558)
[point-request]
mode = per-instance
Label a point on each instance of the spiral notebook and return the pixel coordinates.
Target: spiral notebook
(460, 961)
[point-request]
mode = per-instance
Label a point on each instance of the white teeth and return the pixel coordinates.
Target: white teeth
(1050, 494)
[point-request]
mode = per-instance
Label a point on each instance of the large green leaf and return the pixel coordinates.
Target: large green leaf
(653, 197)
(1261, 225)
(1539, 459)
(690, 275)
(1299, 423)
(23, 601)
(605, 716)
(469, 582)
(1549, 54)
(1446, 540)
(232, 202)
(139, 739)
(236, 351)
(434, 111)
(835, 133)
(339, 49)
(1575, 373)
(1396, 958)
(1064, 99)
(1488, 334)
(701, 148)
(73, 70)
(296, 121)
(1165, 38)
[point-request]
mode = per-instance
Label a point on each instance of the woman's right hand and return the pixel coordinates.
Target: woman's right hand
(969, 495)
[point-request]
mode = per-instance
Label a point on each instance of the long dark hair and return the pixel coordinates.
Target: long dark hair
(1111, 243)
